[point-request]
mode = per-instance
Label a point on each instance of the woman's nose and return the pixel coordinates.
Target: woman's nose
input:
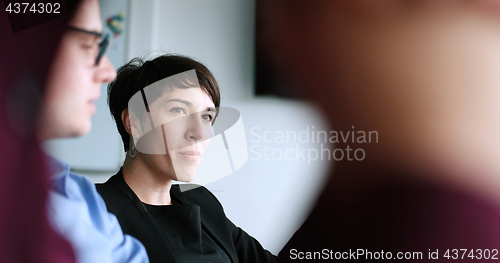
(198, 130)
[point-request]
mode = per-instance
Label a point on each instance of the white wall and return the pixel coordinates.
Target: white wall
(267, 198)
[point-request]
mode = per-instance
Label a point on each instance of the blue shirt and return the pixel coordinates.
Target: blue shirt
(79, 214)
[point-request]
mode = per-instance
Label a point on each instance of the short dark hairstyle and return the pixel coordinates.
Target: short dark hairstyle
(137, 74)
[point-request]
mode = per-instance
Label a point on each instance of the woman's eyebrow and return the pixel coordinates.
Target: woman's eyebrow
(188, 103)
(181, 101)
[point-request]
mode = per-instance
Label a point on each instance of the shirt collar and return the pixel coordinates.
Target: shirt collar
(56, 167)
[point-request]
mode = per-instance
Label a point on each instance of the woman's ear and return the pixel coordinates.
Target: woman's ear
(126, 121)
(130, 123)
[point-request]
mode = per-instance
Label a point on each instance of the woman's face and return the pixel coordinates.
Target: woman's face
(183, 118)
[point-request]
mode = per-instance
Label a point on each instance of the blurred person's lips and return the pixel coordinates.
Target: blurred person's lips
(92, 105)
(190, 155)
(91, 102)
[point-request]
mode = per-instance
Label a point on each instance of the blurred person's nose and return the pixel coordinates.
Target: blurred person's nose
(105, 71)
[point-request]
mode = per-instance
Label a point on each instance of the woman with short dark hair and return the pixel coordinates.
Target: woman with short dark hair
(164, 110)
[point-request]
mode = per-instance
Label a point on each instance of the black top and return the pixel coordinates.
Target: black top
(209, 218)
(180, 225)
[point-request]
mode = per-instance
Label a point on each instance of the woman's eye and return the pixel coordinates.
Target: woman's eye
(178, 110)
(207, 117)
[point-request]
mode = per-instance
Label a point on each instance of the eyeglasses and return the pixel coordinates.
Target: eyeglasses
(103, 41)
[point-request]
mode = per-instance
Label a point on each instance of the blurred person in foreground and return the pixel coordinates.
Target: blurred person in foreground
(76, 210)
(426, 76)
(25, 231)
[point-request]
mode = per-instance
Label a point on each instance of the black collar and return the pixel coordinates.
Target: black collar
(120, 182)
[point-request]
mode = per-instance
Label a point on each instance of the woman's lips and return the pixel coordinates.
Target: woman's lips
(190, 155)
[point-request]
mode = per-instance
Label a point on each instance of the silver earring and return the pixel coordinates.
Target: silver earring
(132, 153)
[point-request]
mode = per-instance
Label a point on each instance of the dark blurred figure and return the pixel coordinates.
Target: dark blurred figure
(426, 76)
(25, 232)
